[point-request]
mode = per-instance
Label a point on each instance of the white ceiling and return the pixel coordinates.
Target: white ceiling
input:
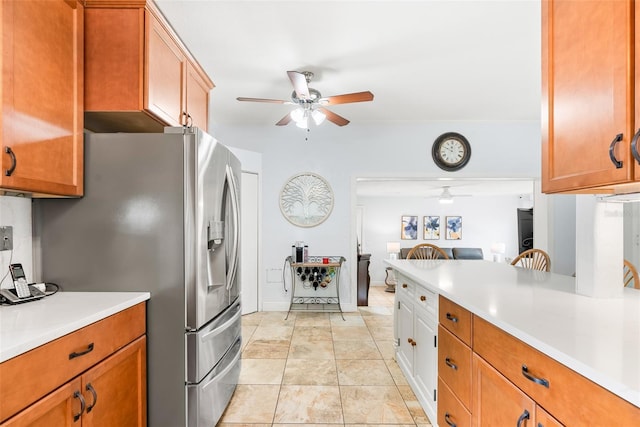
(439, 60)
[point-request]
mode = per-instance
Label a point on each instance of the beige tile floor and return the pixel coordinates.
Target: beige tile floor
(316, 369)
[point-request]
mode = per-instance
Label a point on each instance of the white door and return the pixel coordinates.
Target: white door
(249, 242)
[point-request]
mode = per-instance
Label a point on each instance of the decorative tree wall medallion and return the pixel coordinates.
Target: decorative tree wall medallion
(306, 199)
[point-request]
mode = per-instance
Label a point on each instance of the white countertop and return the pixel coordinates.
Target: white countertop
(26, 326)
(596, 337)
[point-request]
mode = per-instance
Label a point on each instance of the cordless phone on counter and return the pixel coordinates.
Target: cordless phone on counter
(22, 291)
(19, 280)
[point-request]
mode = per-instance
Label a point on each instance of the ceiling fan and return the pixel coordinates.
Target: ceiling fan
(310, 102)
(446, 197)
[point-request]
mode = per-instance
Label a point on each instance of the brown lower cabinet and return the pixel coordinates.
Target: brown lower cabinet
(113, 393)
(95, 376)
(511, 383)
(496, 401)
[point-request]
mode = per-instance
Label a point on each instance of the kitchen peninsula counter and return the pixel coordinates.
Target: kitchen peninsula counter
(26, 326)
(598, 338)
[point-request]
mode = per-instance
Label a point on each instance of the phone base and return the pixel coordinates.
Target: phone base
(12, 297)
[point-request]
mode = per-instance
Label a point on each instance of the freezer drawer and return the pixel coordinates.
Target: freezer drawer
(206, 346)
(207, 401)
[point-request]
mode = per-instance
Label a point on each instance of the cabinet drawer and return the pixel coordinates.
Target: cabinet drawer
(456, 319)
(454, 365)
(596, 406)
(28, 377)
(426, 299)
(405, 286)
(450, 410)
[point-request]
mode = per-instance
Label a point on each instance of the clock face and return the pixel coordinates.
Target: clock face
(451, 151)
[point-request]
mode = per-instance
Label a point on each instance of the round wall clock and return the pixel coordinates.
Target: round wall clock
(451, 151)
(306, 200)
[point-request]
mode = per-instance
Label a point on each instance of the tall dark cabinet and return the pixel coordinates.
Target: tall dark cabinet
(363, 279)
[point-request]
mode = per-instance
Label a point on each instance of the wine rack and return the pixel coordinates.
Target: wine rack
(316, 282)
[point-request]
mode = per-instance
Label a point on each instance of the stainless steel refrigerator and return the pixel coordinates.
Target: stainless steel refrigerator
(160, 214)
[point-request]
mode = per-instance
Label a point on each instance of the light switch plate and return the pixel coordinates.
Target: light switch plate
(6, 238)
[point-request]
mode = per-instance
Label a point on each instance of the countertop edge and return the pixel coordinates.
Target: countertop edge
(129, 299)
(610, 384)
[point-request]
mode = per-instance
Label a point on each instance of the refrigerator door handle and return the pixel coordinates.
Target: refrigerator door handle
(233, 187)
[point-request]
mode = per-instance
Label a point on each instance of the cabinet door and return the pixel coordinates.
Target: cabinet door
(587, 93)
(497, 402)
(42, 93)
(405, 336)
(164, 73)
(58, 408)
(115, 390)
(426, 356)
(197, 99)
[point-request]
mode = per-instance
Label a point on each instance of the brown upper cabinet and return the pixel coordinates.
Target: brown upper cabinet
(139, 76)
(588, 79)
(42, 79)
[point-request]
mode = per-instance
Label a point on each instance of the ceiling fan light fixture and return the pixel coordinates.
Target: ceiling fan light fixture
(303, 123)
(318, 117)
(297, 114)
(445, 198)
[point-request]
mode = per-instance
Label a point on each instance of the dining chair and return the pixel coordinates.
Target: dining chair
(630, 276)
(427, 251)
(533, 259)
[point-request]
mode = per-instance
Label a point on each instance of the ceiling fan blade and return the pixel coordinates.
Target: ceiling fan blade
(285, 120)
(333, 117)
(299, 82)
(348, 98)
(275, 101)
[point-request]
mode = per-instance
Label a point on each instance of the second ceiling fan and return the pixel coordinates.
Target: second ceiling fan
(311, 104)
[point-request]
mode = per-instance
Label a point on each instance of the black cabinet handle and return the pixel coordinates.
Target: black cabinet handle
(454, 319)
(447, 419)
(95, 397)
(451, 364)
(78, 395)
(81, 353)
(634, 146)
(14, 162)
(524, 416)
(612, 155)
(527, 375)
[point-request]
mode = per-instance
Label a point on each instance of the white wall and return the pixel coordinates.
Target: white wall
(485, 220)
(16, 212)
(340, 154)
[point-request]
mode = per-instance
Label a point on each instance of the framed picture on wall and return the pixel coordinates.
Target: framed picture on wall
(409, 229)
(454, 228)
(431, 227)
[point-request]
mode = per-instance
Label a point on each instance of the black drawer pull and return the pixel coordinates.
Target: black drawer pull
(14, 162)
(527, 375)
(451, 364)
(95, 397)
(634, 146)
(524, 416)
(448, 420)
(612, 155)
(81, 353)
(454, 319)
(78, 395)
